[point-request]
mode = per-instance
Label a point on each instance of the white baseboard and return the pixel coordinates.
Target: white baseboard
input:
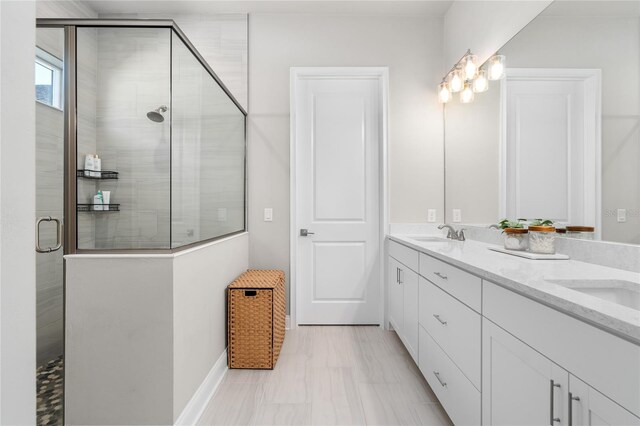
(200, 399)
(287, 322)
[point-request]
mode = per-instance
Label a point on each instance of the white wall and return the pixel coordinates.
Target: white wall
(409, 45)
(17, 213)
(485, 26)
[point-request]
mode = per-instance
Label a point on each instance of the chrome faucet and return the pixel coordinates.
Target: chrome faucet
(452, 234)
(494, 226)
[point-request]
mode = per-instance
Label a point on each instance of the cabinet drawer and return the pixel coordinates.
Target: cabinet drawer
(454, 326)
(460, 284)
(405, 255)
(457, 395)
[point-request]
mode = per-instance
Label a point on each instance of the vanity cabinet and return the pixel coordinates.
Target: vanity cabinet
(524, 339)
(496, 357)
(520, 386)
(586, 406)
(403, 295)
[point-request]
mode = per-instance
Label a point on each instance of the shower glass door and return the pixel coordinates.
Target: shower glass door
(49, 218)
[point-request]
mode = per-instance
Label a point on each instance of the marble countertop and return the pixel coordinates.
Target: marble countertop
(535, 279)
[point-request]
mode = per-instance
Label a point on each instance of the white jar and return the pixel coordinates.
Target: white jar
(516, 239)
(542, 239)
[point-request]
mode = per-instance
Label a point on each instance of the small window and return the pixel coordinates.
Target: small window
(48, 79)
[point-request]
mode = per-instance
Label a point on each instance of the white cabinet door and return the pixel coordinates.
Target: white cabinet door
(396, 298)
(519, 385)
(409, 282)
(590, 407)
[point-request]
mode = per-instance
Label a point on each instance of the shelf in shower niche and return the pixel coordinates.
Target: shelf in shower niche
(92, 174)
(99, 208)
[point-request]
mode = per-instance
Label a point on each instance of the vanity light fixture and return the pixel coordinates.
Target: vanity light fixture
(456, 80)
(496, 67)
(467, 77)
(470, 66)
(481, 83)
(444, 93)
(467, 95)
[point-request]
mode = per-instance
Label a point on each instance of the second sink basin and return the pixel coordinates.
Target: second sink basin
(430, 239)
(625, 293)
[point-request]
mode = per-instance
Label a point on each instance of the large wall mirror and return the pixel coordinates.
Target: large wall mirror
(559, 137)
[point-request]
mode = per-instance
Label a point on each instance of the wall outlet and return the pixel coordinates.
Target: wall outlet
(622, 215)
(268, 215)
(431, 215)
(457, 215)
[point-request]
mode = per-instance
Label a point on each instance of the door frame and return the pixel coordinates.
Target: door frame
(296, 75)
(592, 79)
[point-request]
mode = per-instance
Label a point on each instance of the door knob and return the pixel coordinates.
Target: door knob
(305, 232)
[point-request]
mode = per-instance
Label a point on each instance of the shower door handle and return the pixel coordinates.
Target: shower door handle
(58, 234)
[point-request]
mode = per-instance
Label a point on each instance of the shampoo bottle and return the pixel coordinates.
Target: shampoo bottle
(97, 202)
(88, 165)
(97, 166)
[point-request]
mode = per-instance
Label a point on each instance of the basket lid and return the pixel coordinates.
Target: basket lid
(259, 278)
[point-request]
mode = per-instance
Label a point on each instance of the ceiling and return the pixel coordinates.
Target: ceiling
(343, 7)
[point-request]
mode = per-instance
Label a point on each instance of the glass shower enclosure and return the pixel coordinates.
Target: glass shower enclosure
(140, 148)
(157, 141)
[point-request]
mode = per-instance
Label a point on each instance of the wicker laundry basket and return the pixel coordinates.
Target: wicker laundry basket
(256, 316)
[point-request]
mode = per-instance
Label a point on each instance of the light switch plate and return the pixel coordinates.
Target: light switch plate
(431, 215)
(622, 215)
(268, 215)
(457, 215)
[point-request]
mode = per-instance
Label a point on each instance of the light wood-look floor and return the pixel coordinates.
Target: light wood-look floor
(330, 376)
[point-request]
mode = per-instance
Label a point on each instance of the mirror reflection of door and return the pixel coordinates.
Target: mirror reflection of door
(551, 145)
(49, 216)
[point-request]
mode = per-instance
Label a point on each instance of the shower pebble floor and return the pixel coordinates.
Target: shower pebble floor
(50, 392)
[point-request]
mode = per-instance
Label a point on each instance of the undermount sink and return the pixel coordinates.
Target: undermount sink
(625, 293)
(430, 239)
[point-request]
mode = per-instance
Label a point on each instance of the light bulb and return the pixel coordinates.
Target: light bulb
(470, 66)
(467, 95)
(480, 83)
(456, 82)
(444, 94)
(496, 67)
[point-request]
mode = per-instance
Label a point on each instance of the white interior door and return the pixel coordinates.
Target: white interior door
(337, 122)
(552, 153)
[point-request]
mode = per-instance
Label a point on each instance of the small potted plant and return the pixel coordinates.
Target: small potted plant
(515, 234)
(542, 236)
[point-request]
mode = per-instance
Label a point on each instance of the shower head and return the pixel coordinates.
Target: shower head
(156, 114)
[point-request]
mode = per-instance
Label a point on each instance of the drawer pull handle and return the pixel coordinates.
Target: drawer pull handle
(571, 399)
(444, 277)
(444, 384)
(439, 319)
(552, 418)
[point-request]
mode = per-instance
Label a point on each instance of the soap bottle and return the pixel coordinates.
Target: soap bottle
(97, 202)
(97, 166)
(88, 165)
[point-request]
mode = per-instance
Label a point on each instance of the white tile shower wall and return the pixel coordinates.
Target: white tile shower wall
(207, 154)
(133, 79)
(221, 39)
